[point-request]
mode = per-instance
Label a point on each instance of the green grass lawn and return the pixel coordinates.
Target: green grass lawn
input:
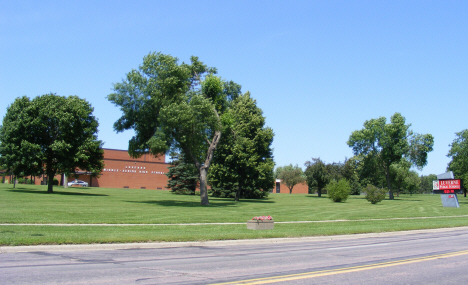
(32, 204)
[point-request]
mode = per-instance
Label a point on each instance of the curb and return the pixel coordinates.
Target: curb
(154, 245)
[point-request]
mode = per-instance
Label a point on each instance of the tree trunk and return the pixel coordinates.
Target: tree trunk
(50, 183)
(203, 186)
(65, 181)
(319, 192)
(290, 190)
(194, 187)
(238, 193)
(14, 181)
(390, 192)
(203, 168)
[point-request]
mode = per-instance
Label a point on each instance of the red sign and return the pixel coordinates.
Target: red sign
(449, 184)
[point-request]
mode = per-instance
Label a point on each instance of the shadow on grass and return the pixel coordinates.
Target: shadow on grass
(23, 190)
(219, 202)
(405, 199)
(230, 200)
(176, 203)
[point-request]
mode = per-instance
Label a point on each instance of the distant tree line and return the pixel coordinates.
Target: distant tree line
(385, 154)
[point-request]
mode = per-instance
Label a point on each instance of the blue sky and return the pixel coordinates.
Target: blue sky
(318, 69)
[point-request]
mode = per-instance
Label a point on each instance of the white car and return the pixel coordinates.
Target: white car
(78, 183)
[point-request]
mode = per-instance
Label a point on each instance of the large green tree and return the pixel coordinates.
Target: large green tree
(317, 174)
(243, 163)
(290, 176)
(399, 171)
(173, 106)
(14, 156)
(182, 175)
(412, 182)
(349, 172)
(403, 178)
(50, 134)
(368, 171)
(389, 143)
(459, 154)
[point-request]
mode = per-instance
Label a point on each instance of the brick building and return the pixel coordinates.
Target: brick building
(122, 171)
(280, 187)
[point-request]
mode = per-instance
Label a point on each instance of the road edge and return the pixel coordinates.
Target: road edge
(153, 245)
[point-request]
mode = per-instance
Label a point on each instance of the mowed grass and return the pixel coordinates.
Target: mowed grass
(29, 204)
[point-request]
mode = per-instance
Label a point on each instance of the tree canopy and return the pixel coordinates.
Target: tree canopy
(426, 183)
(243, 163)
(403, 178)
(173, 106)
(290, 175)
(369, 171)
(386, 144)
(50, 134)
(459, 154)
(317, 175)
(182, 176)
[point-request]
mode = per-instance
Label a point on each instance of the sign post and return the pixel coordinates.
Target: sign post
(448, 189)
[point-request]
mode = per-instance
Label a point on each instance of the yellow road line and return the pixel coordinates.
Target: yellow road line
(291, 277)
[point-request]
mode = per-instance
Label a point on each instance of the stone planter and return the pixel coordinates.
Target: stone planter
(260, 224)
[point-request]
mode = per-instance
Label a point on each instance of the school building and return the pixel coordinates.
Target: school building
(120, 171)
(146, 172)
(280, 187)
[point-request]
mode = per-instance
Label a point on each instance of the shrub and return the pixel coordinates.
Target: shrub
(355, 187)
(56, 182)
(374, 194)
(23, 180)
(338, 191)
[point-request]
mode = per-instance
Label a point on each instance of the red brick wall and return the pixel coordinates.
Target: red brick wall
(122, 171)
(297, 189)
(132, 174)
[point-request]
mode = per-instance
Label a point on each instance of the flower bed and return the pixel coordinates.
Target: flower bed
(261, 223)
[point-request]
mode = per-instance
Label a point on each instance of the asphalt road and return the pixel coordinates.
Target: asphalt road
(415, 257)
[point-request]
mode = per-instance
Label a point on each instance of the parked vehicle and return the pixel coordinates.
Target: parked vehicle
(78, 183)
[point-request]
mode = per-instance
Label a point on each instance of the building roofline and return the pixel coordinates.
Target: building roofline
(134, 160)
(127, 151)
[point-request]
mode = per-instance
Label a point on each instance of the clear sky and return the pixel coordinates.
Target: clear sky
(318, 69)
